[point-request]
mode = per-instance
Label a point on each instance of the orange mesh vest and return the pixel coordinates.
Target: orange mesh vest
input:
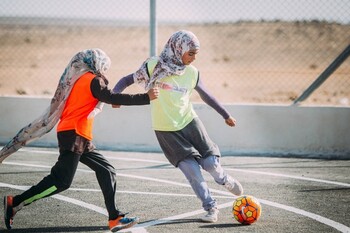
(78, 106)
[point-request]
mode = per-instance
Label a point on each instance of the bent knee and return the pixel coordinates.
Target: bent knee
(210, 163)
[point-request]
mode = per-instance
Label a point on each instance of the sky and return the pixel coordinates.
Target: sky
(197, 11)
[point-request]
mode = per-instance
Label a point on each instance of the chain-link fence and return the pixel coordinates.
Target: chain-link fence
(252, 51)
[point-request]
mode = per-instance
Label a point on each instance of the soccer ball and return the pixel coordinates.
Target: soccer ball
(246, 209)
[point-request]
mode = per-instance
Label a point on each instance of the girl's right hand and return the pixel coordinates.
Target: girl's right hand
(153, 93)
(230, 121)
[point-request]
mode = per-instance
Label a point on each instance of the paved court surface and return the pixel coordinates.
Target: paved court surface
(297, 195)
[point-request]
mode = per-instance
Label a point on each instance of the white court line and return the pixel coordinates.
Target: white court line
(139, 160)
(62, 198)
(326, 221)
(318, 218)
(148, 193)
(176, 217)
(228, 169)
(108, 157)
(289, 176)
(139, 228)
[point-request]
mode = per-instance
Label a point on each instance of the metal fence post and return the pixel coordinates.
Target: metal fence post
(325, 74)
(153, 28)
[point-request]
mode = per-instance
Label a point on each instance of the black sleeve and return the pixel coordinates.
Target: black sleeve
(101, 92)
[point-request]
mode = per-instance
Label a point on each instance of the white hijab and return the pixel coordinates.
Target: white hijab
(170, 59)
(91, 60)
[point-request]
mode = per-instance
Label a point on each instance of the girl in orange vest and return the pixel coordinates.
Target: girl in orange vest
(82, 85)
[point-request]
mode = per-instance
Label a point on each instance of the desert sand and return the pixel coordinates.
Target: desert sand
(241, 63)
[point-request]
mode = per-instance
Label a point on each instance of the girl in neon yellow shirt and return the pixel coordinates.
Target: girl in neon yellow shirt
(180, 133)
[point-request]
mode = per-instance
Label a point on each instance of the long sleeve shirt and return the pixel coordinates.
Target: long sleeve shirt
(204, 94)
(101, 92)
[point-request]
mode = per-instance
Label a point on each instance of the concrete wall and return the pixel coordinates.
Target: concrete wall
(261, 129)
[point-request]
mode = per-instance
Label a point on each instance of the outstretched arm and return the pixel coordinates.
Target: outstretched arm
(212, 102)
(101, 92)
(123, 83)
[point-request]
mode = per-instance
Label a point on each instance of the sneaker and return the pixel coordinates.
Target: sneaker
(121, 223)
(9, 212)
(211, 216)
(233, 186)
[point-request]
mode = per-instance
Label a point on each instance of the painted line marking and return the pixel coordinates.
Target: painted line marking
(124, 192)
(290, 176)
(318, 218)
(180, 216)
(149, 193)
(228, 169)
(62, 198)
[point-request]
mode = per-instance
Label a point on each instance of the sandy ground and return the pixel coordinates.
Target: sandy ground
(267, 62)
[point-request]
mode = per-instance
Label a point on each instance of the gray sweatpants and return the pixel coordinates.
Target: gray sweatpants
(191, 168)
(191, 149)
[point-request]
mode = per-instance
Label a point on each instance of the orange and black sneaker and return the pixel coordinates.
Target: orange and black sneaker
(9, 212)
(122, 222)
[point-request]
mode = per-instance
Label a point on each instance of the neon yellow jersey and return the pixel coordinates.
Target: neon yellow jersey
(172, 111)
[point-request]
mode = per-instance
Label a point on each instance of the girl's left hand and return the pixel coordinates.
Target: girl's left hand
(231, 121)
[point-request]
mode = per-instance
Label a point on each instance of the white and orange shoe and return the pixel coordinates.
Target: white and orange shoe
(122, 222)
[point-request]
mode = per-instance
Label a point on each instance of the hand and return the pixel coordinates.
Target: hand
(231, 121)
(116, 106)
(153, 93)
